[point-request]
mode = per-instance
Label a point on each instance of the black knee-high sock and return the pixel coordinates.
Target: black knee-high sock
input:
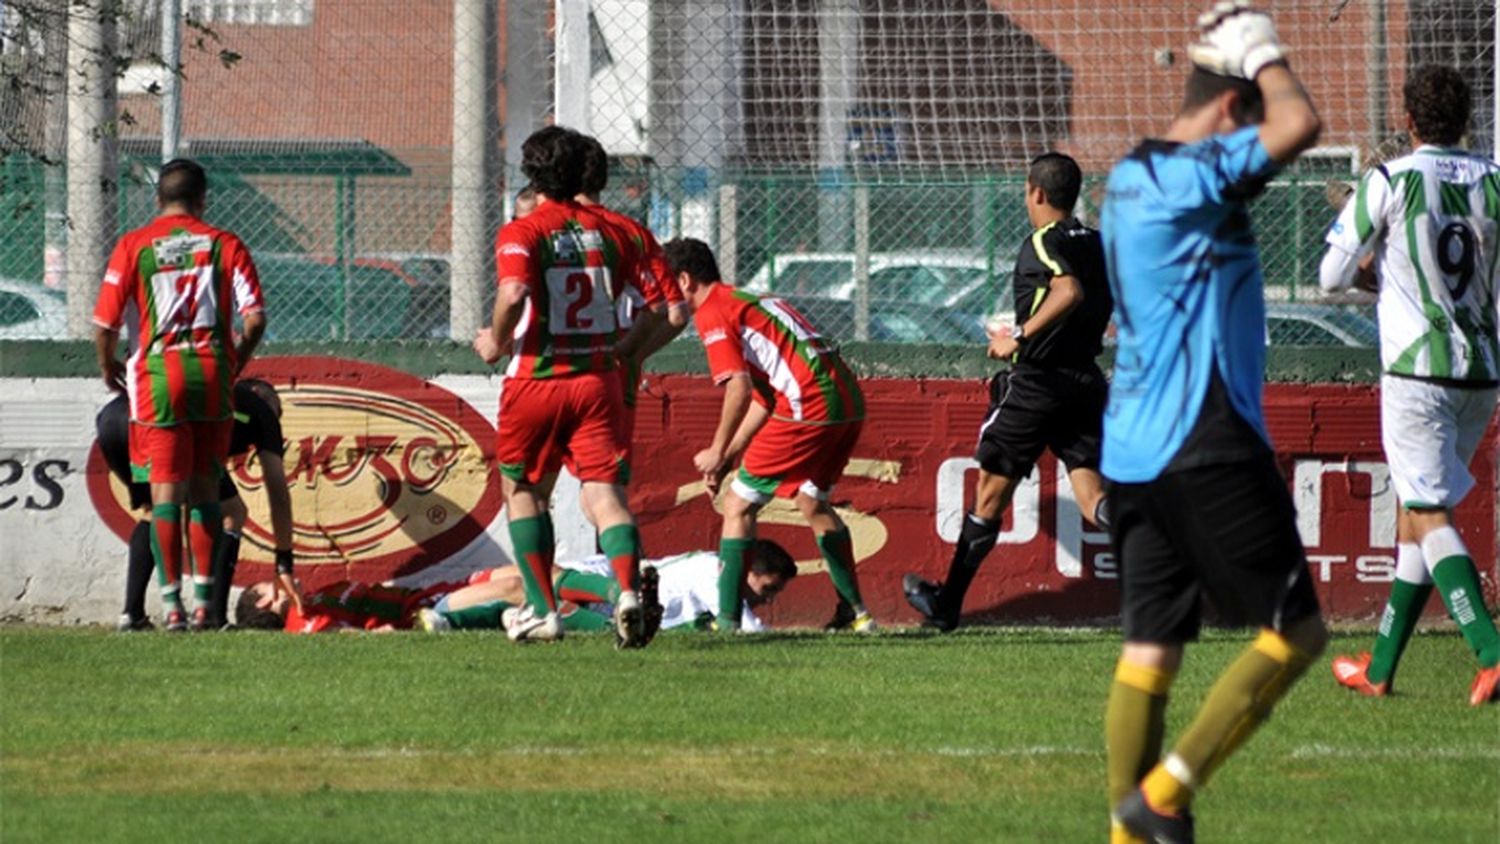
(226, 557)
(974, 544)
(138, 571)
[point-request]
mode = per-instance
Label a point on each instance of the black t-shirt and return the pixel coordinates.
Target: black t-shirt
(255, 424)
(1058, 249)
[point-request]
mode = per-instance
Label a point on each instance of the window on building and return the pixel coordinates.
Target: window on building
(265, 12)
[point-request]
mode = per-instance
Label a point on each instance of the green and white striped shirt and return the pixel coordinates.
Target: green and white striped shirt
(1432, 219)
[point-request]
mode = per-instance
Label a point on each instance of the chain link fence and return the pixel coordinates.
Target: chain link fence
(864, 158)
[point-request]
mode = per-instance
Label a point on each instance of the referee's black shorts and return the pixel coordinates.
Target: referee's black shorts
(1032, 408)
(1227, 531)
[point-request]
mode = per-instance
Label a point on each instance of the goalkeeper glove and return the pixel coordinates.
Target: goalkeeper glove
(1236, 40)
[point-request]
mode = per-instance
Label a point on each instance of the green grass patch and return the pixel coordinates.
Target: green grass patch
(991, 735)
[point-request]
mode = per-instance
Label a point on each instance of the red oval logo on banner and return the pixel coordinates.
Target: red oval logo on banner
(389, 473)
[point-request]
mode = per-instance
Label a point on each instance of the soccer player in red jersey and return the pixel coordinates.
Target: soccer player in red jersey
(562, 270)
(792, 409)
(180, 281)
(665, 311)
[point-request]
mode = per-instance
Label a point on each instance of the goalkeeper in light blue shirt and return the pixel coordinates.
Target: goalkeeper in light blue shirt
(1198, 505)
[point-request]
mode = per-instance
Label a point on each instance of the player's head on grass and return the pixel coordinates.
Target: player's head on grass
(182, 187)
(692, 263)
(552, 158)
(1052, 186)
(1237, 102)
(595, 167)
(770, 571)
(259, 608)
(1438, 105)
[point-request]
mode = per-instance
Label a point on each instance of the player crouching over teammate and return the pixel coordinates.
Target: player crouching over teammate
(1197, 502)
(791, 416)
(1431, 219)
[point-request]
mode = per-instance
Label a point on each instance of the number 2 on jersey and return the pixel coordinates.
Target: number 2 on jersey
(579, 300)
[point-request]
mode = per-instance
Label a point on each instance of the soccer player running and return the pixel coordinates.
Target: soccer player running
(1197, 503)
(791, 416)
(562, 270)
(1427, 226)
(257, 425)
(1053, 395)
(181, 280)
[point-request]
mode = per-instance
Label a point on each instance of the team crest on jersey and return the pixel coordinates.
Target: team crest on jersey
(178, 250)
(570, 246)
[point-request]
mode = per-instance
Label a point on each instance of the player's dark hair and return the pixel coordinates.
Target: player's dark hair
(552, 158)
(771, 558)
(687, 255)
(1438, 100)
(252, 617)
(1059, 177)
(1203, 87)
(181, 181)
(595, 166)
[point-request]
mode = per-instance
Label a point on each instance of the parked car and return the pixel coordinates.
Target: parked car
(960, 280)
(1315, 324)
(32, 312)
(890, 321)
(307, 299)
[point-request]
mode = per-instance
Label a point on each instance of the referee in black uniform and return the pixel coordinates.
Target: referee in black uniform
(1053, 395)
(257, 424)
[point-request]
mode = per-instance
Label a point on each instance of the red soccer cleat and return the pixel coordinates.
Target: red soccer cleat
(1486, 686)
(1350, 672)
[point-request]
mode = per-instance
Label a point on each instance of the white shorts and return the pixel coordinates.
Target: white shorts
(1430, 433)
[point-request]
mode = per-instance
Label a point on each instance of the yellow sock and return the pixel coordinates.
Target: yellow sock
(1164, 791)
(1120, 835)
(1134, 724)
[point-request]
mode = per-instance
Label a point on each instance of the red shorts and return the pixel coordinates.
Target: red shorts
(176, 453)
(787, 457)
(576, 421)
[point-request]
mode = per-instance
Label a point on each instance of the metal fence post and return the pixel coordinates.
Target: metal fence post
(91, 138)
(862, 262)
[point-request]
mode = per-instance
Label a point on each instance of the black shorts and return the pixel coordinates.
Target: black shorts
(1032, 408)
(1227, 530)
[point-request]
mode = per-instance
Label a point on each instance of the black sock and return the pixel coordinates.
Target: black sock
(226, 557)
(138, 572)
(1101, 515)
(974, 544)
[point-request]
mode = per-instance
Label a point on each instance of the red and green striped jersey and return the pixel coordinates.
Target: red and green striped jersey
(796, 372)
(347, 605)
(576, 265)
(656, 282)
(174, 285)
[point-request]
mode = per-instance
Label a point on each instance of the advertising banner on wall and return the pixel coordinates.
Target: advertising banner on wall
(391, 478)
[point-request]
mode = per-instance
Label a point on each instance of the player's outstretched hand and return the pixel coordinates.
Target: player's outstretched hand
(289, 585)
(1235, 39)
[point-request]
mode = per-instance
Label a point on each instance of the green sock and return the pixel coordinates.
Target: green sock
(622, 545)
(166, 548)
(583, 620)
(478, 617)
(1458, 582)
(1396, 625)
(732, 559)
(534, 545)
(582, 587)
(838, 553)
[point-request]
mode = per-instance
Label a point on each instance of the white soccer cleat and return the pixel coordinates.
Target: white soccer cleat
(524, 625)
(864, 623)
(630, 621)
(429, 620)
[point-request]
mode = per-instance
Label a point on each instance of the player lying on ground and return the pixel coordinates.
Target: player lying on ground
(562, 270)
(791, 416)
(687, 585)
(1196, 500)
(1428, 224)
(1053, 394)
(184, 280)
(257, 425)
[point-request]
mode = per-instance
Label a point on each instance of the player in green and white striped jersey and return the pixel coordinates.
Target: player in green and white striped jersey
(1427, 226)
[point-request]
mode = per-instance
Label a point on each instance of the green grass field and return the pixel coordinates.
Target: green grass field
(986, 735)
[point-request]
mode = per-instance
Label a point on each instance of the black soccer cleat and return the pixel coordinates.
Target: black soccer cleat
(1136, 815)
(923, 597)
(651, 602)
(843, 617)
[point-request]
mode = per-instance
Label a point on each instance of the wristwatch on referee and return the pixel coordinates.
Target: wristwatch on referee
(1019, 335)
